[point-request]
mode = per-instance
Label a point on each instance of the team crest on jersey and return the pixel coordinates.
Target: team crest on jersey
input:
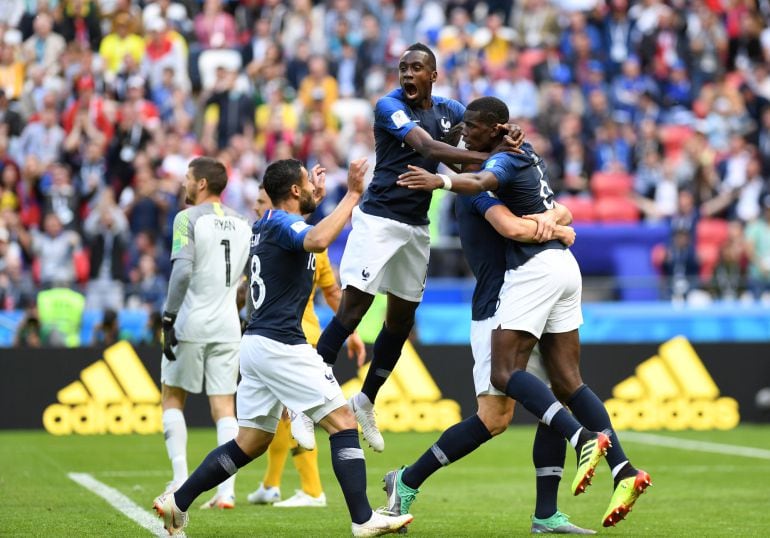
(254, 240)
(445, 124)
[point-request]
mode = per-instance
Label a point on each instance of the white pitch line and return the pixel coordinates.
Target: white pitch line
(120, 502)
(699, 446)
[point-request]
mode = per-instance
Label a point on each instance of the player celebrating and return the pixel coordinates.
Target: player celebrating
(539, 301)
(305, 460)
(278, 366)
(201, 328)
(387, 250)
(484, 248)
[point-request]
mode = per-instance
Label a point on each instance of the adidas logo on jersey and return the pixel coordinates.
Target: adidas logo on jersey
(672, 390)
(410, 400)
(114, 395)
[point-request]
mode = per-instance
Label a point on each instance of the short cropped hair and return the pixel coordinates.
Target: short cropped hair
(212, 170)
(279, 177)
(424, 48)
(492, 109)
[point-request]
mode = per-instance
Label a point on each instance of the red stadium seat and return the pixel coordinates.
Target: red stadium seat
(708, 256)
(711, 231)
(616, 209)
(673, 138)
(611, 184)
(82, 266)
(582, 208)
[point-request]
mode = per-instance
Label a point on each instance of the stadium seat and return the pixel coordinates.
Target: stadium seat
(673, 138)
(711, 231)
(612, 184)
(616, 209)
(581, 207)
(82, 265)
(708, 256)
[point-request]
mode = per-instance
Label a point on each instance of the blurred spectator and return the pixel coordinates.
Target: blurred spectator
(80, 23)
(318, 85)
(148, 288)
(119, 43)
(228, 112)
(146, 243)
(164, 50)
(165, 10)
(536, 24)
(144, 202)
(680, 265)
(29, 333)
(758, 249)
(10, 120)
(45, 46)
(107, 332)
(55, 250)
(106, 232)
(729, 279)
(131, 138)
(42, 139)
(61, 312)
(61, 197)
(88, 108)
(215, 28)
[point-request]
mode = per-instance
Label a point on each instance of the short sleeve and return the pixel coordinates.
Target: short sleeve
(457, 111)
(501, 166)
(483, 201)
(183, 241)
(291, 234)
(391, 115)
(324, 269)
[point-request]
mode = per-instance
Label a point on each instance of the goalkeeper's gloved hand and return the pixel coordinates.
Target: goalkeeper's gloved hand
(169, 335)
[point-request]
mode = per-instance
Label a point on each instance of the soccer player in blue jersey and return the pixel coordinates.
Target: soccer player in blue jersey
(387, 250)
(278, 367)
(539, 301)
(484, 223)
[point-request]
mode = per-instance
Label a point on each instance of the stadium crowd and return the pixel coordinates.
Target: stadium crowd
(648, 110)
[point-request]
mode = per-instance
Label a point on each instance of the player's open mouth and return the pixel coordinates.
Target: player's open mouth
(410, 90)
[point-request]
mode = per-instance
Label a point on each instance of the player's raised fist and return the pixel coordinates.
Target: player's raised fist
(356, 173)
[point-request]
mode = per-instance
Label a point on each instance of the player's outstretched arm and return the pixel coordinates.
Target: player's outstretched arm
(465, 183)
(325, 232)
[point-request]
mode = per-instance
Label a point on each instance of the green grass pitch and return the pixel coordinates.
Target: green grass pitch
(489, 493)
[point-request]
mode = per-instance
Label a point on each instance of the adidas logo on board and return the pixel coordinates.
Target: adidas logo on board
(672, 390)
(114, 395)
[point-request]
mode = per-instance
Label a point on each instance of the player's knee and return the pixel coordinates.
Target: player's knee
(499, 378)
(496, 421)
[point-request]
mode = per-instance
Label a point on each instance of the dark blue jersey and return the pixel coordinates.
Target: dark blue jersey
(393, 119)
(484, 249)
(523, 188)
(281, 277)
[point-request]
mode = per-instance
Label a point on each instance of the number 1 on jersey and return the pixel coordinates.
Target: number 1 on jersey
(226, 243)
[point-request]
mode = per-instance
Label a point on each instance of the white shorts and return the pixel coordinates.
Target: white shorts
(386, 256)
(274, 375)
(543, 295)
(217, 363)
(481, 346)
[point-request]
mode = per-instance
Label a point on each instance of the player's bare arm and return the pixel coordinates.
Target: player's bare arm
(525, 230)
(466, 183)
(548, 220)
(325, 232)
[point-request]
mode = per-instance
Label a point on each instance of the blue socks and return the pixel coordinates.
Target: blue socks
(548, 453)
(538, 399)
(331, 340)
(387, 350)
(455, 443)
(350, 469)
(587, 406)
(220, 464)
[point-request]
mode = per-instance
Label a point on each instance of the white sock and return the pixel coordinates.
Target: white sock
(618, 467)
(362, 400)
(574, 439)
(175, 432)
(227, 429)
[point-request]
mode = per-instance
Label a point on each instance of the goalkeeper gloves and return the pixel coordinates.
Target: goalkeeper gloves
(169, 335)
